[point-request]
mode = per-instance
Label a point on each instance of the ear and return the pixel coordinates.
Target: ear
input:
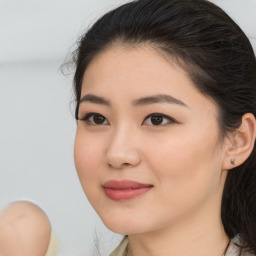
(241, 143)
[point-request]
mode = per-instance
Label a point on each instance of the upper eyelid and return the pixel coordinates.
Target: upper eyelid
(159, 114)
(170, 120)
(90, 114)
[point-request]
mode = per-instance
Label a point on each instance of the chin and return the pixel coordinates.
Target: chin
(119, 227)
(125, 226)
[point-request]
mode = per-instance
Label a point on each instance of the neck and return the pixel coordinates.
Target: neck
(200, 233)
(187, 241)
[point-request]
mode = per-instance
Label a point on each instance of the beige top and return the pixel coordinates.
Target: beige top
(119, 251)
(53, 246)
(233, 249)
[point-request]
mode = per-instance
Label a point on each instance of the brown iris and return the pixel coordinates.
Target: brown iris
(156, 120)
(98, 119)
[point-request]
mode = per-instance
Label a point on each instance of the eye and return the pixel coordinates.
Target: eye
(95, 119)
(157, 119)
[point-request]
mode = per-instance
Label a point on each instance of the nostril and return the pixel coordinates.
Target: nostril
(120, 166)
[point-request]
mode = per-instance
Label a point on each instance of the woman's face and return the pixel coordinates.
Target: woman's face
(148, 150)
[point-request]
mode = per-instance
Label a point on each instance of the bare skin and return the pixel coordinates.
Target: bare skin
(180, 155)
(24, 230)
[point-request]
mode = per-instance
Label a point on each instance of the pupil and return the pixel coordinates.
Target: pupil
(98, 119)
(156, 120)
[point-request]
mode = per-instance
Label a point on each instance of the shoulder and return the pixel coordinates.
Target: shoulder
(24, 228)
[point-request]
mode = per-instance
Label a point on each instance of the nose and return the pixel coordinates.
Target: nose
(123, 150)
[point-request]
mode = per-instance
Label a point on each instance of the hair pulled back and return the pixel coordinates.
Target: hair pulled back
(218, 58)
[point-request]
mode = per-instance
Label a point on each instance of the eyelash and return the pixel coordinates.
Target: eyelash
(87, 117)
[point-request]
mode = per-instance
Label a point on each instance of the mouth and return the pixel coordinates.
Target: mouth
(125, 189)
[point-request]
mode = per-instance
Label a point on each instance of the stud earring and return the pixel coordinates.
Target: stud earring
(232, 161)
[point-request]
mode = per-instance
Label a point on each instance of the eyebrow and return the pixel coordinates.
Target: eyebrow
(95, 99)
(160, 98)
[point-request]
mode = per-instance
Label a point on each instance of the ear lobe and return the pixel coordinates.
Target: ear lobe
(242, 143)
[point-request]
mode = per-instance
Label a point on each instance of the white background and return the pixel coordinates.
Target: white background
(37, 127)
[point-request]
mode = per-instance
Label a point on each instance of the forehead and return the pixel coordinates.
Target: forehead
(128, 72)
(130, 65)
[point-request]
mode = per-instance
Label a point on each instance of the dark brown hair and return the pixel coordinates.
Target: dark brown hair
(217, 56)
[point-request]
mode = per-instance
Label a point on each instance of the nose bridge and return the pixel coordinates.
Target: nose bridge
(122, 147)
(120, 133)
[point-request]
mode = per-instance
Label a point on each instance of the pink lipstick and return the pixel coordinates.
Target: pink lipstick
(125, 189)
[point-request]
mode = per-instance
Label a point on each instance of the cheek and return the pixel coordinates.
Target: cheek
(186, 164)
(172, 162)
(88, 159)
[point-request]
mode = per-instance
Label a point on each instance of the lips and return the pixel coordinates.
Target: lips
(125, 189)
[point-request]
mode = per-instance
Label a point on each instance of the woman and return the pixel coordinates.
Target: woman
(166, 106)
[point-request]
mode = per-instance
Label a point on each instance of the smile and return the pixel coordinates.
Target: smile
(125, 189)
